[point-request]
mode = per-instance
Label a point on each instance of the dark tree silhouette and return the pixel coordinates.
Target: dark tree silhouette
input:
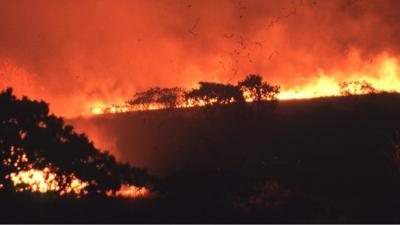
(258, 89)
(27, 129)
(356, 87)
(215, 93)
(170, 97)
(167, 97)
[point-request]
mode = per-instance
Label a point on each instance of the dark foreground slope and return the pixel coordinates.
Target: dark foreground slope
(321, 160)
(317, 131)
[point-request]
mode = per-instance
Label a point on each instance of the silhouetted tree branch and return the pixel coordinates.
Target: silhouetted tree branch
(215, 93)
(166, 97)
(258, 90)
(27, 129)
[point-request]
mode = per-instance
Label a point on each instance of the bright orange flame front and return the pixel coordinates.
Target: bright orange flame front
(130, 191)
(383, 75)
(44, 181)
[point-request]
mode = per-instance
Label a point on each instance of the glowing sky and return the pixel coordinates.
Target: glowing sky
(75, 53)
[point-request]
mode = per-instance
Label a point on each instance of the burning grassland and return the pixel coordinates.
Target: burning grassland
(382, 76)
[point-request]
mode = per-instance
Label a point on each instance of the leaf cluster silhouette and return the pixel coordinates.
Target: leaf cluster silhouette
(216, 93)
(209, 93)
(28, 128)
(168, 97)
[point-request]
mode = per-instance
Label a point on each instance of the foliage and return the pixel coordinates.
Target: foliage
(28, 129)
(208, 93)
(258, 89)
(167, 97)
(215, 93)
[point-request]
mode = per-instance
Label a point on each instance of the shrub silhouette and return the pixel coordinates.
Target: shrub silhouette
(215, 93)
(167, 97)
(258, 89)
(28, 128)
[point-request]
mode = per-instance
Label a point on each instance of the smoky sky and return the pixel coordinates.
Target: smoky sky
(70, 53)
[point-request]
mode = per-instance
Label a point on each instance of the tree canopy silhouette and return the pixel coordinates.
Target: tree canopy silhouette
(27, 129)
(167, 97)
(216, 93)
(257, 89)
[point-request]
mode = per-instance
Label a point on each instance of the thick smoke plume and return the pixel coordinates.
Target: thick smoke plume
(75, 54)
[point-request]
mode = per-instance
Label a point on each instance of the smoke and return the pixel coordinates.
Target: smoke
(74, 54)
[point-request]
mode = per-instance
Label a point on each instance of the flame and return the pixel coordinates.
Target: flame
(97, 110)
(323, 86)
(382, 72)
(36, 180)
(383, 75)
(248, 96)
(130, 191)
(44, 181)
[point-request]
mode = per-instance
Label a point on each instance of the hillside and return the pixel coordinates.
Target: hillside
(248, 136)
(327, 160)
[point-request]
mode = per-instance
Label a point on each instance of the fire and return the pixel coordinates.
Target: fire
(45, 181)
(39, 180)
(130, 191)
(323, 86)
(122, 108)
(97, 110)
(36, 180)
(383, 75)
(28, 178)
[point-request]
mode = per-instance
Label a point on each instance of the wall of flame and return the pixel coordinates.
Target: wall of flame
(79, 54)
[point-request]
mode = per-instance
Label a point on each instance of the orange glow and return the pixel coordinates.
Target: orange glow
(44, 181)
(383, 76)
(97, 110)
(36, 180)
(306, 47)
(248, 96)
(130, 191)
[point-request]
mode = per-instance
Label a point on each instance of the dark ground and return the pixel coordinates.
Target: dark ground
(312, 161)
